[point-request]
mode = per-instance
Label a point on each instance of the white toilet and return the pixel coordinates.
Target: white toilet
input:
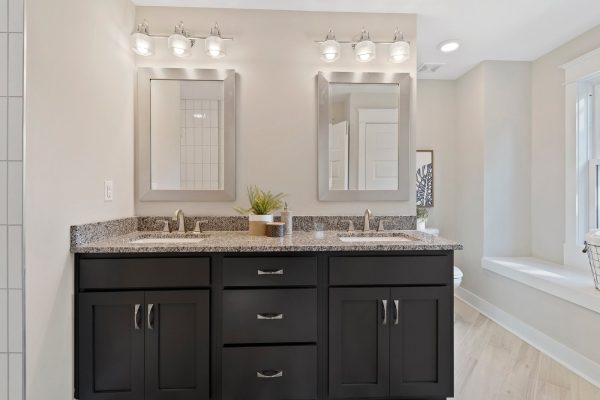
(458, 275)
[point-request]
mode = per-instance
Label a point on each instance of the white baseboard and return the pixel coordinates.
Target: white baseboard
(564, 355)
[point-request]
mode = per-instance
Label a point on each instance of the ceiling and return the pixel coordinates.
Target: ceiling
(518, 30)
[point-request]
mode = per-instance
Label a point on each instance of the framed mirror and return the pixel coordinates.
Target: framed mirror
(185, 136)
(363, 136)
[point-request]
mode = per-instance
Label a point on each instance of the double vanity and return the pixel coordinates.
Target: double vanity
(225, 315)
(326, 313)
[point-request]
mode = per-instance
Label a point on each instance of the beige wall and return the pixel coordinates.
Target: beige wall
(277, 61)
(548, 146)
(79, 124)
(436, 130)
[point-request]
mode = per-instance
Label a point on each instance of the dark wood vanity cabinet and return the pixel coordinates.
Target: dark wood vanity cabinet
(260, 326)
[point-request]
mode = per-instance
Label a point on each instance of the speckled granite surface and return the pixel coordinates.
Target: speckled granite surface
(221, 241)
(301, 223)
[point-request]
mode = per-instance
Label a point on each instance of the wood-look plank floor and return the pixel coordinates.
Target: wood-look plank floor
(493, 364)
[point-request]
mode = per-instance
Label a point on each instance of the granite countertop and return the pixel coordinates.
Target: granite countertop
(239, 241)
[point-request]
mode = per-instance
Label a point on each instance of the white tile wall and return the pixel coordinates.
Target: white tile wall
(15, 321)
(15, 64)
(11, 200)
(3, 321)
(15, 256)
(15, 15)
(200, 126)
(3, 64)
(3, 261)
(3, 192)
(15, 192)
(3, 127)
(15, 376)
(15, 128)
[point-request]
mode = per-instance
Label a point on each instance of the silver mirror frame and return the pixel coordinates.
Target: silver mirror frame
(142, 145)
(404, 137)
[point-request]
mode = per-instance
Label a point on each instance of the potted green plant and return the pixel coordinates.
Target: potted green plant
(262, 205)
(422, 216)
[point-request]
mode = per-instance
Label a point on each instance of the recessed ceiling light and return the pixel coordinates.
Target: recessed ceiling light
(449, 46)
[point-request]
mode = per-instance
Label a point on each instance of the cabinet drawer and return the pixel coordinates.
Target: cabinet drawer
(391, 270)
(270, 271)
(270, 373)
(143, 273)
(270, 316)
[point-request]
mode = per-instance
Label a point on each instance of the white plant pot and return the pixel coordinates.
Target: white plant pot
(421, 224)
(258, 224)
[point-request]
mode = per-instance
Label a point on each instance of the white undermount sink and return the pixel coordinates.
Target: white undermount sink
(375, 238)
(168, 239)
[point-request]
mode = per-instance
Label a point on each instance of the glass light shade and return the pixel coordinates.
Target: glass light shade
(364, 51)
(180, 45)
(141, 44)
(214, 46)
(399, 51)
(330, 50)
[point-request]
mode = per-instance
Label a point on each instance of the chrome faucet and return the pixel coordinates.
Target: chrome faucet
(181, 218)
(366, 226)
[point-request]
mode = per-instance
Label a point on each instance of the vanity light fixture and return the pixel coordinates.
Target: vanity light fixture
(330, 48)
(400, 49)
(214, 46)
(449, 46)
(364, 49)
(141, 42)
(180, 42)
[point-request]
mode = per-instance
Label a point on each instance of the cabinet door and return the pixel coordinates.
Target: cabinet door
(421, 342)
(111, 346)
(177, 345)
(358, 342)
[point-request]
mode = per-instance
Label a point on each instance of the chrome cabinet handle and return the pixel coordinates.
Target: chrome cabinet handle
(396, 312)
(269, 374)
(150, 316)
(270, 271)
(269, 316)
(137, 317)
(384, 303)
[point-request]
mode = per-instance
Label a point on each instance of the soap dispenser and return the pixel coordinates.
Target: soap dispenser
(287, 218)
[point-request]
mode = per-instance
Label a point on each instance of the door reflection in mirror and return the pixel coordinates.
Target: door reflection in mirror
(363, 136)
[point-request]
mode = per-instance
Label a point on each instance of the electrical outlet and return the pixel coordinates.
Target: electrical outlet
(108, 190)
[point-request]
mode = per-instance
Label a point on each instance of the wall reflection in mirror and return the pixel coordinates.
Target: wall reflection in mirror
(363, 136)
(186, 138)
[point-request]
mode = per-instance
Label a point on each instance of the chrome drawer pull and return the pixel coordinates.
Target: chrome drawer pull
(137, 317)
(269, 374)
(385, 312)
(396, 311)
(270, 271)
(269, 316)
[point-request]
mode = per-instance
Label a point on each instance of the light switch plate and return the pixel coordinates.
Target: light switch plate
(108, 190)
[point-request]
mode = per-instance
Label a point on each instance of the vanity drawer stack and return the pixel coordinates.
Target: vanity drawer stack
(269, 328)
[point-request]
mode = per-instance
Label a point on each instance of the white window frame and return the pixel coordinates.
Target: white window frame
(579, 75)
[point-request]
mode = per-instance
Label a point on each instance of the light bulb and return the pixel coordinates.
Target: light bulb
(180, 45)
(140, 41)
(365, 49)
(330, 48)
(449, 46)
(399, 51)
(214, 45)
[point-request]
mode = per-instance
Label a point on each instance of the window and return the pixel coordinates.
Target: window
(588, 155)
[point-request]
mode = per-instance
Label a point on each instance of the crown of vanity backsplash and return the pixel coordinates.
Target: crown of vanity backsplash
(97, 231)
